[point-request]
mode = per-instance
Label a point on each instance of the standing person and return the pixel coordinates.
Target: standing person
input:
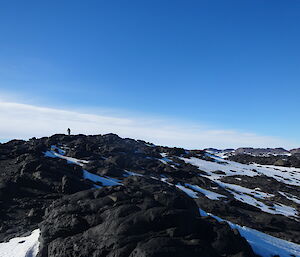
(69, 131)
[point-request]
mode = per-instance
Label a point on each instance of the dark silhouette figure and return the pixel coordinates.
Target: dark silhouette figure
(69, 131)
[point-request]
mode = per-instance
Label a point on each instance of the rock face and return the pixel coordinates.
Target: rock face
(29, 182)
(143, 218)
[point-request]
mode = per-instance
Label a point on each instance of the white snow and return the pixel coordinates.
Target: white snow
(254, 192)
(280, 208)
(240, 193)
(255, 196)
(164, 160)
(164, 179)
(167, 161)
(290, 176)
(59, 150)
(131, 173)
(188, 191)
(250, 197)
(53, 154)
(276, 208)
(290, 197)
(21, 246)
(209, 194)
(106, 181)
(261, 243)
(96, 178)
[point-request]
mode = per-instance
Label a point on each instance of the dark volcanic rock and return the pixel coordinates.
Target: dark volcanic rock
(295, 151)
(278, 160)
(250, 216)
(261, 151)
(142, 218)
(28, 185)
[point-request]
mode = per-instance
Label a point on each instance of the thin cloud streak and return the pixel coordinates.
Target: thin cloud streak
(24, 121)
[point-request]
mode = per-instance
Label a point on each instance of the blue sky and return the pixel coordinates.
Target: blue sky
(225, 65)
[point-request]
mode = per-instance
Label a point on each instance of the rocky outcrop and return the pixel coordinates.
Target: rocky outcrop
(295, 151)
(255, 152)
(142, 218)
(277, 160)
(29, 182)
(32, 182)
(261, 151)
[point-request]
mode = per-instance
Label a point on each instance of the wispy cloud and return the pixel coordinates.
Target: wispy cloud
(25, 121)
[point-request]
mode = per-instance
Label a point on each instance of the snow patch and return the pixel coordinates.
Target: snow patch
(276, 208)
(188, 191)
(167, 161)
(250, 196)
(131, 173)
(53, 154)
(209, 194)
(254, 192)
(290, 197)
(97, 178)
(58, 150)
(87, 175)
(261, 243)
(287, 175)
(21, 246)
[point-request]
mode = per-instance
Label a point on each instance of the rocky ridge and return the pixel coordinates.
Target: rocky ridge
(153, 207)
(264, 156)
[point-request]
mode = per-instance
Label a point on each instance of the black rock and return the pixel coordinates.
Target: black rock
(142, 218)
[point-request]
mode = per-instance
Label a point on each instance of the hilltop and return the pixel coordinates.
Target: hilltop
(103, 195)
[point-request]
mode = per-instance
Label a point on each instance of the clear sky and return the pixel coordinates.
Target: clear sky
(212, 64)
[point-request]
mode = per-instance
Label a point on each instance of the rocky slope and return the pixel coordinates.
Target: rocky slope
(108, 196)
(277, 160)
(261, 152)
(142, 217)
(264, 156)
